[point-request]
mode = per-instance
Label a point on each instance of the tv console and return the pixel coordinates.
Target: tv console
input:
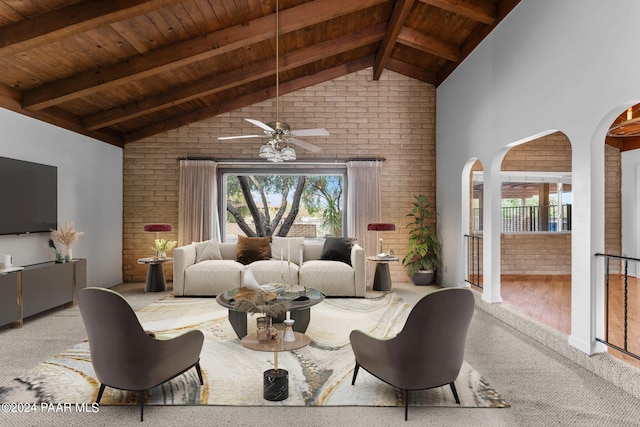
(39, 287)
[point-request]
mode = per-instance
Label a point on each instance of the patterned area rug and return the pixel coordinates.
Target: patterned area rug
(319, 374)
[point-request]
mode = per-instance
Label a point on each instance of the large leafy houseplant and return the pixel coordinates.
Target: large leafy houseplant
(424, 249)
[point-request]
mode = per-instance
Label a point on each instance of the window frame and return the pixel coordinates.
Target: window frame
(293, 169)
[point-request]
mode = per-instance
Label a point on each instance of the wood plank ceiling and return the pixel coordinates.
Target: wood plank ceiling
(123, 70)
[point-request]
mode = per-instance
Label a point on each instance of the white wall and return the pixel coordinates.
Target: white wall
(89, 194)
(551, 65)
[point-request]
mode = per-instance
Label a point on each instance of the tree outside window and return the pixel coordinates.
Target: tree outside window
(259, 205)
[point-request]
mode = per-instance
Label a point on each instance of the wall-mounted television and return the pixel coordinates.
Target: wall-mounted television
(29, 194)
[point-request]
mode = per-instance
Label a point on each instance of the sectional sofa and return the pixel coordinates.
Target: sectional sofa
(209, 268)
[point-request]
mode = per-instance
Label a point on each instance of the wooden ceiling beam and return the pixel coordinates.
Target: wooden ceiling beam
(188, 52)
(69, 21)
(484, 12)
(10, 99)
(235, 78)
(396, 22)
(412, 71)
(429, 44)
(251, 99)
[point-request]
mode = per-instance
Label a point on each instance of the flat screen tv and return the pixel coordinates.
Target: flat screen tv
(29, 197)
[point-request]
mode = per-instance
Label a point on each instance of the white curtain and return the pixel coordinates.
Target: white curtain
(198, 202)
(363, 203)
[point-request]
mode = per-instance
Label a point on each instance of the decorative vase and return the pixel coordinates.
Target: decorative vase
(68, 256)
(289, 336)
(263, 333)
(162, 255)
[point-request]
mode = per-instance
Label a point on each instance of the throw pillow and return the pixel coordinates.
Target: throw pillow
(209, 249)
(251, 249)
(285, 246)
(337, 249)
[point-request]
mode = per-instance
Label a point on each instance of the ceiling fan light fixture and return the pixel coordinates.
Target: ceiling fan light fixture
(267, 151)
(288, 153)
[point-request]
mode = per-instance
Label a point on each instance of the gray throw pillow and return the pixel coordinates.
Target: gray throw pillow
(209, 249)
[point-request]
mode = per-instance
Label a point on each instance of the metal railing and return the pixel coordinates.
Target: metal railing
(474, 260)
(530, 218)
(625, 269)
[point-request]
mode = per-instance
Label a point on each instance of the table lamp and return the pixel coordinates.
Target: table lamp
(157, 228)
(378, 227)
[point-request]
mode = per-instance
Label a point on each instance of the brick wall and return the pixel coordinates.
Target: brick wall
(613, 204)
(544, 253)
(393, 118)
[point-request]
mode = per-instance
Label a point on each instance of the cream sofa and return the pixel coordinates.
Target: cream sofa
(212, 277)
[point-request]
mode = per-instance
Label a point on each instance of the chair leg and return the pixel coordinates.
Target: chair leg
(100, 393)
(355, 373)
(455, 393)
(199, 373)
(406, 405)
(141, 405)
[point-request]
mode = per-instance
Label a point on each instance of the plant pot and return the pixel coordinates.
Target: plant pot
(424, 277)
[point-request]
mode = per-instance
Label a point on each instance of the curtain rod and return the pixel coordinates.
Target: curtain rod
(260, 162)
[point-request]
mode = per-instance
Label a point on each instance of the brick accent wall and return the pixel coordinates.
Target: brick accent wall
(393, 118)
(538, 253)
(613, 205)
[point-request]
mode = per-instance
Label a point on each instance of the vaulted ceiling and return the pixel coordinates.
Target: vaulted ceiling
(123, 70)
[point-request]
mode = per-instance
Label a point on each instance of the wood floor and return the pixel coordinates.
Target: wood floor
(547, 298)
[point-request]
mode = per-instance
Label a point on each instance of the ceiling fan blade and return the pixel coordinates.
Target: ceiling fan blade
(305, 145)
(260, 125)
(240, 137)
(310, 132)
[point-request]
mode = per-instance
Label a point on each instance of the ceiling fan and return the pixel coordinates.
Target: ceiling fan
(280, 136)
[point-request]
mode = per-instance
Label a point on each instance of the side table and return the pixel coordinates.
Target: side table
(382, 277)
(155, 274)
(276, 380)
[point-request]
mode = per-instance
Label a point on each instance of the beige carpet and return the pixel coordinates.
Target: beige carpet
(319, 374)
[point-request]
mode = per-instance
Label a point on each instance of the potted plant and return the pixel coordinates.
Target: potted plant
(423, 257)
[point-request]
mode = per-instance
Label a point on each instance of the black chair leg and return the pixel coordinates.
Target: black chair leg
(406, 405)
(455, 393)
(355, 373)
(141, 405)
(100, 393)
(199, 373)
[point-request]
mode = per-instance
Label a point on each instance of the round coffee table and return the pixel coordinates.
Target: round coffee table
(276, 380)
(300, 309)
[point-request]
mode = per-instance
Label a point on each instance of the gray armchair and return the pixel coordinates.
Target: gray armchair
(429, 350)
(123, 355)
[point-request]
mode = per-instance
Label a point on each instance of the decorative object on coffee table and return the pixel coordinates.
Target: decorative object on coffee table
(423, 257)
(289, 336)
(299, 308)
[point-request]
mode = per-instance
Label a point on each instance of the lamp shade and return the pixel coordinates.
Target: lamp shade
(381, 226)
(157, 228)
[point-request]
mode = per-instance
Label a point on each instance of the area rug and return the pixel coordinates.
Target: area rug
(319, 374)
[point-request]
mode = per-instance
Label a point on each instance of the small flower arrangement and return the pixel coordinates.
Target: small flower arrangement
(163, 246)
(66, 235)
